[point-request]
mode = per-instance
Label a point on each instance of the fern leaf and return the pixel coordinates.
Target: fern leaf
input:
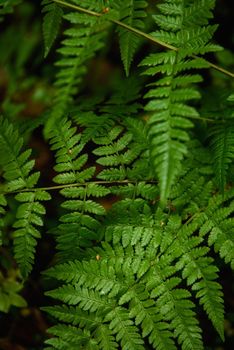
(216, 222)
(88, 300)
(106, 340)
(80, 226)
(119, 154)
(201, 273)
(145, 313)
(170, 112)
(174, 305)
(17, 168)
(70, 337)
(3, 203)
(83, 39)
(125, 330)
(51, 23)
(222, 146)
(26, 234)
(132, 13)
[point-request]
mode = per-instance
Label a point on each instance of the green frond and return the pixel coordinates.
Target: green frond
(80, 225)
(201, 274)
(132, 12)
(126, 332)
(82, 40)
(3, 203)
(217, 222)
(73, 315)
(143, 309)
(120, 154)
(16, 165)
(88, 300)
(9, 293)
(170, 112)
(51, 23)
(70, 337)
(105, 339)
(17, 173)
(29, 216)
(174, 304)
(222, 146)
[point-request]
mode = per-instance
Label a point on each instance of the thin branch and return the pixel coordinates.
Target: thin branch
(139, 32)
(78, 184)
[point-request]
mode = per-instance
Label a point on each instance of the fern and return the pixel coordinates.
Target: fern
(78, 227)
(222, 142)
(9, 293)
(171, 114)
(3, 203)
(51, 23)
(82, 40)
(131, 12)
(143, 219)
(17, 167)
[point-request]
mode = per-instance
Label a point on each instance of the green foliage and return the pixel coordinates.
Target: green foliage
(17, 168)
(82, 40)
(132, 12)
(170, 113)
(9, 289)
(3, 203)
(78, 227)
(51, 23)
(222, 142)
(7, 6)
(143, 215)
(134, 280)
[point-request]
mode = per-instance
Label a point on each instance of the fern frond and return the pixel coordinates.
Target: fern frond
(120, 154)
(82, 40)
(51, 23)
(175, 305)
(171, 114)
(217, 222)
(124, 328)
(143, 309)
(88, 300)
(3, 203)
(26, 234)
(201, 273)
(132, 284)
(105, 339)
(192, 191)
(132, 12)
(222, 146)
(70, 337)
(73, 315)
(9, 293)
(17, 168)
(80, 225)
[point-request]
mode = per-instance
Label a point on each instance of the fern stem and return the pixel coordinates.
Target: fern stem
(59, 187)
(140, 33)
